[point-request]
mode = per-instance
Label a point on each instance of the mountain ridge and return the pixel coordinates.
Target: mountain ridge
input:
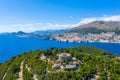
(100, 26)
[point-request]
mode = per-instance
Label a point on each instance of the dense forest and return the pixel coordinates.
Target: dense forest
(96, 64)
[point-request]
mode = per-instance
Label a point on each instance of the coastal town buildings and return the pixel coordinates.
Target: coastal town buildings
(76, 37)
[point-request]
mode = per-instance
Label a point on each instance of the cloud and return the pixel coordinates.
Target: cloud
(33, 27)
(50, 26)
(105, 18)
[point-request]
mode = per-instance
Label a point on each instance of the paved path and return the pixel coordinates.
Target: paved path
(5, 74)
(21, 71)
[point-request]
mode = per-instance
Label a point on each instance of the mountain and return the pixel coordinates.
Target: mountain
(39, 34)
(98, 27)
(50, 32)
(18, 33)
(78, 63)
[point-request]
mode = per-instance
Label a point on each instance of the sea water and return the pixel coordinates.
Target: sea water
(12, 45)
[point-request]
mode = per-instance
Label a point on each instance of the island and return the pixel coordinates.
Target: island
(77, 63)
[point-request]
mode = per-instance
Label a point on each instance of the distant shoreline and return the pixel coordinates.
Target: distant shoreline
(76, 41)
(88, 42)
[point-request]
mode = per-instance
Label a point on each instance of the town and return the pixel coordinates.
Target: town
(109, 37)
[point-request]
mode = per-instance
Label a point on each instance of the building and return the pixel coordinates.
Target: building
(61, 63)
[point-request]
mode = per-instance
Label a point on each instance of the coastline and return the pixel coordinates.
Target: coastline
(72, 41)
(87, 41)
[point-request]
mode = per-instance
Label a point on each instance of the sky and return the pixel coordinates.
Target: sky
(32, 15)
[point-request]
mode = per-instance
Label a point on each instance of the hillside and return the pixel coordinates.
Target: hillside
(78, 63)
(98, 27)
(37, 34)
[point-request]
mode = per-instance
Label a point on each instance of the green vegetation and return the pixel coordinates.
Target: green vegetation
(94, 62)
(3, 69)
(117, 30)
(14, 68)
(92, 30)
(26, 74)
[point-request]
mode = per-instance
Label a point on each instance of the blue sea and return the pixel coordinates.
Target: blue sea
(12, 45)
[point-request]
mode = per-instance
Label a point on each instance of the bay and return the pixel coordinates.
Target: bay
(12, 45)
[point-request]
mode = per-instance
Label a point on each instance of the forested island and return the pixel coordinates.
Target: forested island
(78, 63)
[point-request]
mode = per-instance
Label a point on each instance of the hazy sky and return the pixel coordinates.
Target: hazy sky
(31, 15)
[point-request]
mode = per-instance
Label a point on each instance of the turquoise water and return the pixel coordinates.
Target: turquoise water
(12, 46)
